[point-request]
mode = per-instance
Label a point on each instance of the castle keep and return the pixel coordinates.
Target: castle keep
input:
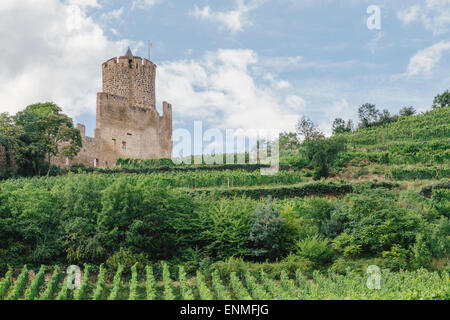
(127, 122)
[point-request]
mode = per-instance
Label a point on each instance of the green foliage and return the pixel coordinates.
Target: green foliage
(302, 190)
(340, 126)
(150, 283)
(9, 144)
(64, 293)
(238, 289)
(376, 221)
(125, 259)
(219, 288)
(33, 289)
(133, 283)
(19, 285)
(427, 126)
(442, 100)
(407, 111)
(45, 132)
(5, 283)
(295, 284)
(100, 285)
(257, 290)
(346, 245)
(420, 254)
(225, 226)
(203, 290)
(441, 201)
(143, 216)
(168, 288)
(316, 250)
(185, 290)
(419, 173)
(322, 152)
(265, 234)
(79, 294)
(396, 258)
(368, 114)
(52, 284)
(116, 284)
(288, 141)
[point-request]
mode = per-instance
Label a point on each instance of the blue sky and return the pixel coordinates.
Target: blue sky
(233, 64)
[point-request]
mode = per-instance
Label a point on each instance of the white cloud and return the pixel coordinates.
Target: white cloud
(233, 20)
(373, 44)
(144, 4)
(434, 14)
(84, 3)
(54, 54)
(112, 15)
(282, 63)
(283, 84)
(425, 60)
(410, 14)
(221, 89)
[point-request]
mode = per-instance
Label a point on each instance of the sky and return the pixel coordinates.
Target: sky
(231, 63)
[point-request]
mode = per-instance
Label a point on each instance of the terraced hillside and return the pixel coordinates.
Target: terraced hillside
(229, 232)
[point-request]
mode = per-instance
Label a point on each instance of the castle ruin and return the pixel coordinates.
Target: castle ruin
(127, 122)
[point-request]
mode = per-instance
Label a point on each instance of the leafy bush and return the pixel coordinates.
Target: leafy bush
(396, 258)
(265, 234)
(419, 173)
(376, 221)
(316, 250)
(441, 201)
(125, 259)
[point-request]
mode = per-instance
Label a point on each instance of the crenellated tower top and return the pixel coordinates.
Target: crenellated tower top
(131, 77)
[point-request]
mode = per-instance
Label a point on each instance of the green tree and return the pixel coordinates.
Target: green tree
(9, 142)
(384, 117)
(265, 234)
(368, 114)
(407, 111)
(340, 126)
(288, 141)
(307, 129)
(322, 152)
(46, 132)
(442, 100)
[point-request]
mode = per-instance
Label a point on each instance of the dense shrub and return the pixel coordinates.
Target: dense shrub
(316, 250)
(419, 173)
(265, 234)
(377, 222)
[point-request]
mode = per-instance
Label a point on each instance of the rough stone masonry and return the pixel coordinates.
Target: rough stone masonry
(127, 122)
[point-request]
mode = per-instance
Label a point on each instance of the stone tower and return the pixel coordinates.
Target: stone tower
(131, 77)
(127, 122)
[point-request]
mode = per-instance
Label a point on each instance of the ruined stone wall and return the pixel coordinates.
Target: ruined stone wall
(134, 81)
(165, 131)
(123, 131)
(126, 131)
(88, 155)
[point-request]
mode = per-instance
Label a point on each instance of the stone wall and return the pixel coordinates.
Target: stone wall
(133, 80)
(127, 122)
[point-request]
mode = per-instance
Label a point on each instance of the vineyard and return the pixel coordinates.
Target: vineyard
(420, 284)
(231, 232)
